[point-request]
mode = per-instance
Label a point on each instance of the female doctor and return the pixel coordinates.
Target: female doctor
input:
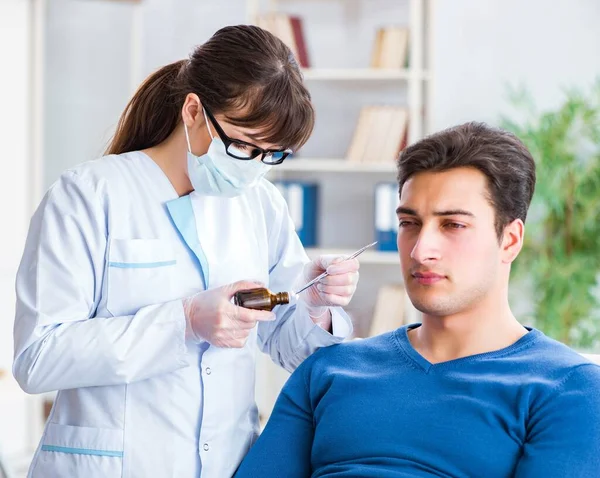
(124, 289)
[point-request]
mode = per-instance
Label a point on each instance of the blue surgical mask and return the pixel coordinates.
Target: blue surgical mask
(218, 174)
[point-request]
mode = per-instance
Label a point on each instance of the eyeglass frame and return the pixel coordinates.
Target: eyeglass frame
(256, 150)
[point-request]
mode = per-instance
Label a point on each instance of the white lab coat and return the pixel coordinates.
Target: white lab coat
(111, 251)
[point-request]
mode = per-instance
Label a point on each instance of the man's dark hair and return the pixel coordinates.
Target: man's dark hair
(500, 155)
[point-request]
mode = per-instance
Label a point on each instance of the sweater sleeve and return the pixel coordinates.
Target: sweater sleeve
(284, 447)
(563, 436)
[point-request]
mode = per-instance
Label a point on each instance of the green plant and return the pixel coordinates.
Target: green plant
(560, 260)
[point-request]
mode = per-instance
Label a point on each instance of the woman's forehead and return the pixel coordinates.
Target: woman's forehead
(250, 135)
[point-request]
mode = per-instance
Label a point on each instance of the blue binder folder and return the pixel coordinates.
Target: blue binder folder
(386, 223)
(303, 203)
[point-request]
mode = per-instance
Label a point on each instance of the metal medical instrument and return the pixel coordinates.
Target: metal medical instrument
(324, 274)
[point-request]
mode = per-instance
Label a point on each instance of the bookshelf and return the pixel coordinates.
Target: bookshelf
(415, 76)
(340, 38)
(361, 74)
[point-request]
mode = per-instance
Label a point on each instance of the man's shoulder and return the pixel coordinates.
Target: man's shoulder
(555, 354)
(355, 353)
(562, 365)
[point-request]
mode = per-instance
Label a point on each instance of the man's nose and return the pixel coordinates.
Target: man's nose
(427, 247)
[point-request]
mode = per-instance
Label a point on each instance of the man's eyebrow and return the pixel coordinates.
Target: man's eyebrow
(454, 212)
(449, 212)
(406, 210)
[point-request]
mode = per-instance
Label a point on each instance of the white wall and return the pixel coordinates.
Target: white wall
(482, 46)
(15, 137)
(19, 417)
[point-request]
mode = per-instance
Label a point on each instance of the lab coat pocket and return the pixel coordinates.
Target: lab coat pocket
(140, 272)
(79, 451)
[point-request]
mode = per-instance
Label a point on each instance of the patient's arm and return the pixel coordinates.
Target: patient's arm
(563, 436)
(284, 447)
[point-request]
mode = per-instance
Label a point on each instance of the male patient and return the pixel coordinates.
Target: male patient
(469, 392)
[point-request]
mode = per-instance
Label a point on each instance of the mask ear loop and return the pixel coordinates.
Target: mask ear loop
(187, 134)
(207, 124)
(187, 138)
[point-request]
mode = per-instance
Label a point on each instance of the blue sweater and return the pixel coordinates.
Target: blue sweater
(377, 408)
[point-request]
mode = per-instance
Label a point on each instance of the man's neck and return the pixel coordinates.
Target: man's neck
(440, 339)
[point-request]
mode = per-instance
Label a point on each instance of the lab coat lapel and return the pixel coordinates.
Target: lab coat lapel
(182, 215)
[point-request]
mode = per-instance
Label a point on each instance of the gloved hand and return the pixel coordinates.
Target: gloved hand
(336, 289)
(212, 317)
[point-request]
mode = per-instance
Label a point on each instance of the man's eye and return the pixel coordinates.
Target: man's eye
(455, 225)
(404, 223)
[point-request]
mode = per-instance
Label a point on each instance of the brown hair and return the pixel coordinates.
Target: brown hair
(243, 72)
(500, 155)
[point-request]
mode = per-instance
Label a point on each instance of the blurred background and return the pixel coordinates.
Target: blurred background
(382, 74)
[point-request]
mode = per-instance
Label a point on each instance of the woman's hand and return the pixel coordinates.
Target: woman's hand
(336, 289)
(212, 317)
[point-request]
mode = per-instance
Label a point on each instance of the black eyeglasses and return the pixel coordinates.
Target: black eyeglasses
(238, 149)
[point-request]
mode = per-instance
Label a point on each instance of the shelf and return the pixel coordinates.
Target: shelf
(367, 257)
(323, 74)
(333, 166)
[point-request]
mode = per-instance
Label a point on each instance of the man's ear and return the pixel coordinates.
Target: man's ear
(192, 110)
(512, 240)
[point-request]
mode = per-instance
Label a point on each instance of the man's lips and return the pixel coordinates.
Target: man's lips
(427, 277)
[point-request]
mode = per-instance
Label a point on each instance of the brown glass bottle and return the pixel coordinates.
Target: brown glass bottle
(260, 298)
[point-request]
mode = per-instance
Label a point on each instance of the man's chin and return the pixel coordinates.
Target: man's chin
(429, 311)
(432, 307)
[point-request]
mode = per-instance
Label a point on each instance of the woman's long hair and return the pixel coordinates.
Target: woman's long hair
(242, 72)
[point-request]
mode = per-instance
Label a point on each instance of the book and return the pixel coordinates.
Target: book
(290, 30)
(302, 199)
(300, 43)
(390, 49)
(386, 222)
(380, 134)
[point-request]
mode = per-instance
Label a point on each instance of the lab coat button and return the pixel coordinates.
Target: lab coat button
(208, 371)
(205, 447)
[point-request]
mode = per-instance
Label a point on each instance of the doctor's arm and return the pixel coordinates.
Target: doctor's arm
(59, 342)
(563, 435)
(284, 447)
(296, 333)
